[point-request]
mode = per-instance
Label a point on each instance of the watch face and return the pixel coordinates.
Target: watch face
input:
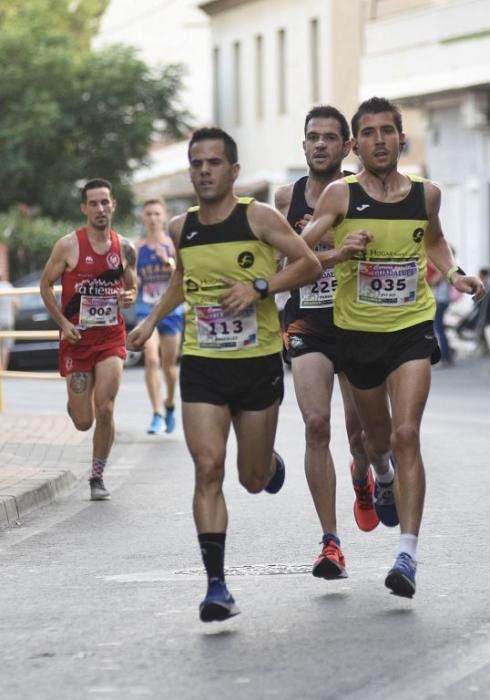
(261, 285)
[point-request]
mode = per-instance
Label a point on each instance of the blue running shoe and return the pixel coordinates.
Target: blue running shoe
(277, 481)
(156, 425)
(219, 604)
(384, 503)
(401, 578)
(170, 419)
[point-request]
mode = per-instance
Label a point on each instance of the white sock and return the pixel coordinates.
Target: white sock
(408, 544)
(388, 476)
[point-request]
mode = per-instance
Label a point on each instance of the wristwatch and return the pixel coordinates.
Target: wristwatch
(261, 286)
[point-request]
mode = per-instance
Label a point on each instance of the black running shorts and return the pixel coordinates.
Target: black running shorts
(244, 384)
(368, 358)
(299, 344)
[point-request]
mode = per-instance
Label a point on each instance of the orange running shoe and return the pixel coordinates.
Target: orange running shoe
(331, 563)
(364, 513)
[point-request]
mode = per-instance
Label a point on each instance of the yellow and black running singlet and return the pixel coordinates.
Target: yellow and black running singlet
(387, 291)
(209, 253)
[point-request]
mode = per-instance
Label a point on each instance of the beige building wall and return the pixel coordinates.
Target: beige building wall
(163, 32)
(435, 57)
(384, 8)
(272, 61)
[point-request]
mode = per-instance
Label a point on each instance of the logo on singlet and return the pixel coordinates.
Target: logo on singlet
(418, 234)
(189, 236)
(113, 261)
(89, 260)
(191, 286)
(246, 259)
(362, 207)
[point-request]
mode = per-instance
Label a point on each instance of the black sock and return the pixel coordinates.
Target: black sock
(212, 546)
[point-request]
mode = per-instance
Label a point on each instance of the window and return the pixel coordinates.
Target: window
(314, 62)
(259, 76)
(281, 71)
(216, 86)
(237, 75)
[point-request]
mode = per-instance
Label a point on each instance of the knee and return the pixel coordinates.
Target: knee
(209, 473)
(104, 412)
(152, 364)
(253, 483)
(405, 436)
(82, 424)
(317, 429)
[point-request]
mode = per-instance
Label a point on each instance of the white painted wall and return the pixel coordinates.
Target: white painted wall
(270, 146)
(428, 50)
(438, 58)
(166, 31)
(458, 159)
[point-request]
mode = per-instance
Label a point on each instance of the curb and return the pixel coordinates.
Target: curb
(41, 491)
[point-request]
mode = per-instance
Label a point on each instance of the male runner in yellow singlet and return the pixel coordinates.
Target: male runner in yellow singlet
(231, 370)
(384, 312)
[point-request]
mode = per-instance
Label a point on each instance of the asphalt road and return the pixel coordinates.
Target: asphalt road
(100, 599)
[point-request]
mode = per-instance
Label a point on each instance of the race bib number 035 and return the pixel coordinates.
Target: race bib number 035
(98, 311)
(388, 284)
(219, 331)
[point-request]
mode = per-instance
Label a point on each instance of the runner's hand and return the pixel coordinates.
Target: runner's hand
(163, 252)
(354, 244)
(469, 284)
(238, 297)
(139, 335)
(126, 297)
(299, 225)
(70, 333)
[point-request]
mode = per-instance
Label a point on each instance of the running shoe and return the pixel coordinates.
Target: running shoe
(364, 513)
(169, 419)
(156, 425)
(331, 563)
(384, 503)
(401, 578)
(219, 604)
(277, 481)
(98, 491)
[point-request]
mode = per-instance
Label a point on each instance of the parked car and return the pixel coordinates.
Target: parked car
(33, 316)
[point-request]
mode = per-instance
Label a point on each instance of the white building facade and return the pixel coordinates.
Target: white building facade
(164, 32)
(272, 60)
(435, 55)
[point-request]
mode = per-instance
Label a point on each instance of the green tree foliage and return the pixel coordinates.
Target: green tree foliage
(79, 18)
(68, 113)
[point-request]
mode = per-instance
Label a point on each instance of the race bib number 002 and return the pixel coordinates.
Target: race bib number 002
(219, 331)
(98, 311)
(387, 284)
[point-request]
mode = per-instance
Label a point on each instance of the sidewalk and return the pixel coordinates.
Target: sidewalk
(40, 457)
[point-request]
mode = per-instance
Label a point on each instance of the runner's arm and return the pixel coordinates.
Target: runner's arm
(130, 281)
(303, 267)
(439, 250)
(170, 299)
(54, 268)
(331, 208)
(282, 198)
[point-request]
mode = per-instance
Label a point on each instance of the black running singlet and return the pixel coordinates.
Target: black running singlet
(301, 315)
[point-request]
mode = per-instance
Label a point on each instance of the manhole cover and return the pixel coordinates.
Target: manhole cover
(255, 570)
